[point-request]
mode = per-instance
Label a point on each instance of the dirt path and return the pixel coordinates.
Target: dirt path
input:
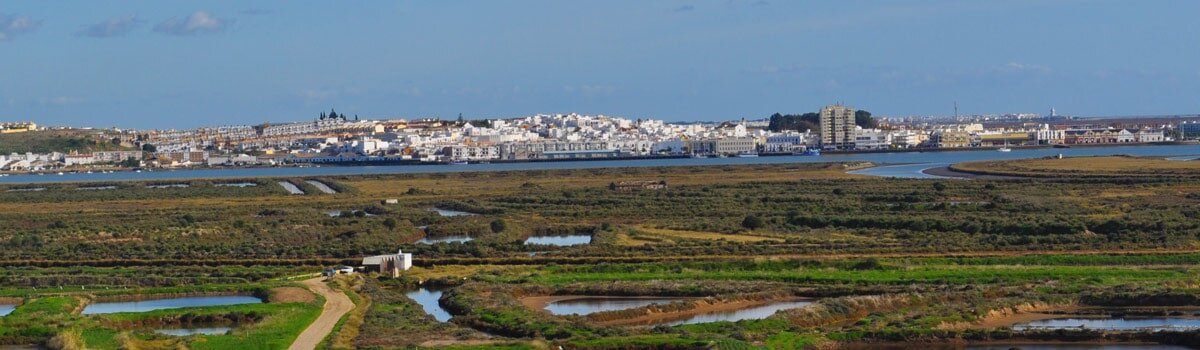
(336, 306)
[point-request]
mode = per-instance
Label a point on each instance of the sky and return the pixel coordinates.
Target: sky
(182, 64)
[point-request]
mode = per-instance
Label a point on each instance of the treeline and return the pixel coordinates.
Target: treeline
(812, 121)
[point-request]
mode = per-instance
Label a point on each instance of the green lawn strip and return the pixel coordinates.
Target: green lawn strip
(792, 341)
(638, 342)
(927, 274)
(276, 331)
(1057, 259)
(337, 328)
(205, 288)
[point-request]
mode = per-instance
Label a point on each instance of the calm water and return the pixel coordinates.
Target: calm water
(450, 213)
(183, 332)
(563, 241)
(174, 303)
(918, 161)
(290, 187)
(237, 184)
(169, 186)
(321, 186)
(1122, 324)
(753, 313)
(429, 302)
(896, 157)
(447, 239)
(911, 171)
(338, 213)
(6, 309)
(589, 305)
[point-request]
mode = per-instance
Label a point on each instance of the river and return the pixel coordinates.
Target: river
(933, 158)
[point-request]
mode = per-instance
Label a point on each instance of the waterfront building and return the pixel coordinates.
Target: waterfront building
(389, 264)
(1189, 131)
(837, 127)
(872, 139)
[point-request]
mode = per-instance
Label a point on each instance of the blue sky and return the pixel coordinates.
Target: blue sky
(161, 64)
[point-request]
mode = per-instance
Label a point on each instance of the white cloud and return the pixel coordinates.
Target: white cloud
(13, 25)
(1024, 67)
(197, 23)
(116, 26)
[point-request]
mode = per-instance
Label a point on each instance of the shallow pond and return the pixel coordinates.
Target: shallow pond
(338, 213)
(96, 188)
(183, 332)
(322, 186)
(169, 186)
(237, 184)
(291, 187)
(589, 305)
(447, 239)
(6, 309)
(1120, 324)
(173, 303)
(35, 189)
(429, 302)
(567, 240)
(914, 171)
(751, 313)
(451, 213)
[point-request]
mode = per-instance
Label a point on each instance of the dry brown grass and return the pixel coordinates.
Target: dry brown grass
(283, 295)
(705, 235)
(1083, 166)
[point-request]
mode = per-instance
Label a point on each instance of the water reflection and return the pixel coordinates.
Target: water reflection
(589, 305)
(451, 213)
(1121, 324)
(911, 171)
(173, 303)
(447, 239)
(183, 332)
(752, 313)
(429, 302)
(6, 309)
(567, 240)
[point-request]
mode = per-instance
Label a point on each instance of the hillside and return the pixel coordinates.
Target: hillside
(45, 141)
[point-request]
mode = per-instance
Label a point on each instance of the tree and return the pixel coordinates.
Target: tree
(130, 162)
(390, 223)
(801, 122)
(863, 118)
(149, 148)
(498, 225)
(460, 119)
(752, 222)
(938, 186)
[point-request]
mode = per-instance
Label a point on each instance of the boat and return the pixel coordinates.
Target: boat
(458, 162)
(809, 152)
(747, 155)
(1005, 148)
(1061, 146)
(698, 155)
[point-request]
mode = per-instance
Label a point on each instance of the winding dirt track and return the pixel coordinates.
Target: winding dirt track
(336, 306)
